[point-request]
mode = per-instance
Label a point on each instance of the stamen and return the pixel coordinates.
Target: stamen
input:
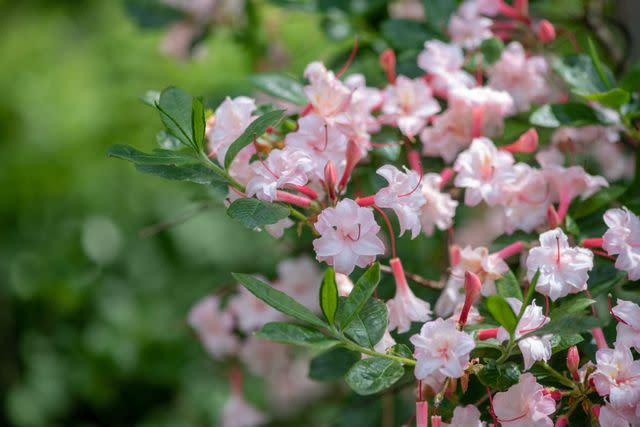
(612, 313)
(350, 59)
(326, 138)
(414, 189)
(357, 238)
(262, 162)
(546, 314)
(558, 249)
(391, 233)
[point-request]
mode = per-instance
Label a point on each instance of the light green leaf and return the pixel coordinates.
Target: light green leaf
(373, 375)
(176, 112)
(501, 312)
(254, 213)
(278, 300)
(359, 296)
(508, 287)
(151, 98)
(290, 333)
(614, 98)
(254, 130)
(198, 122)
(369, 325)
(607, 80)
(280, 86)
(580, 74)
(329, 295)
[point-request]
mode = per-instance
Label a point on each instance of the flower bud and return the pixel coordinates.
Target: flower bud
(573, 362)
(552, 217)
(595, 409)
(526, 143)
(330, 179)
(486, 334)
(562, 421)
(353, 157)
(436, 421)
(472, 286)
(413, 157)
(454, 255)
(545, 32)
(422, 413)
(388, 63)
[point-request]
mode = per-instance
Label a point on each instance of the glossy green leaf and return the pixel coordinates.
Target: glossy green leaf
(176, 112)
(368, 325)
(580, 74)
(329, 295)
(166, 141)
(571, 305)
(157, 157)
(373, 375)
(507, 286)
(561, 342)
(530, 291)
(150, 98)
(254, 213)
(278, 300)
(499, 376)
(254, 130)
(606, 80)
(290, 333)
(631, 80)
(198, 122)
(568, 325)
(613, 98)
(569, 114)
(501, 312)
(571, 225)
(438, 13)
(360, 294)
(600, 200)
(280, 86)
(401, 350)
(404, 34)
(491, 50)
(332, 364)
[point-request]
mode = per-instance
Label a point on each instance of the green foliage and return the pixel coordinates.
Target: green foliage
(501, 312)
(373, 375)
(369, 324)
(254, 213)
(507, 286)
(438, 13)
(499, 376)
(254, 130)
(177, 112)
(404, 34)
(290, 333)
(568, 114)
(333, 364)
(280, 86)
(329, 295)
(360, 294)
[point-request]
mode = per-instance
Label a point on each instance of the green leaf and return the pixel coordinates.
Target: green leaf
(401, 350)
(404, 34)
(280, 86)
(569, 114)
(151, 13)
(332, 364)
(567, 325)
(562, 342)
(290, 333)
(254, 213)
(530, 290)
(614, 98)
(631, 80)
(329, 295)
(254, 130)
(176, 112)
(571, 226)
(157, 157)
(571, 305)
(499, 376)
(438, 13)
(278, 300)
(599, 66)
(369, 325)
(491, 50)
(151, 98)
(508, 287)
(601, 199)
(580, 74)
(501, 312)
(166, 141)
(359, 296)
(372, 375)
(198, 122)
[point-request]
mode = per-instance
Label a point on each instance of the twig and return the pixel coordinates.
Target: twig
(161, 226)
(433, 284)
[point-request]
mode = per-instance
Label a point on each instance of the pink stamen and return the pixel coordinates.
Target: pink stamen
(414, 189)
(357, 238)
(512, 249)
(592, 242)
(262, 162)
(283, 196)
(445, 176)
(350, 59)
(309, 192)
(546, 314)
(413, 157)
(476, 130)
(558, 250)
(366, 201)
(612, 313)
(391, 233)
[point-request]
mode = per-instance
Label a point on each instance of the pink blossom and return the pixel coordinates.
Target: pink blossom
(628, 330)
(231, 119)
(483, 171)
(262, 357)
(321, 142)
(214, 327)
(465, 416)
(238, 413)
(358, 121)
(524, 404)
(563, 270)
(444, 62)
(280, 169)
(328, 95)
(291, 389)
(441, 348)
(403, 196)
(408, 104)
(344, 284)
(277, 229)
(300, 278)
(439, 209)
(525, 78)
(405, 307)
(533, 348)
(471, 112)
(467, 27)
(251, 313)
(623, 239)
(348, 237)
(611, 416)
(617, 375)
(385, 343)
(614, 163)
(526, 198)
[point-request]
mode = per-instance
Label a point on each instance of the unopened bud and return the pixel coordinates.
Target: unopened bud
(562, 421)
(353, 157)
(486, 334)
(595, 409)
(454, 255)
(436, 421)
(573, 362)
(552, 216)
(472, 286)
(388, 63)
(526, 143)
(422, 413)
(330, 179)
(546, 32)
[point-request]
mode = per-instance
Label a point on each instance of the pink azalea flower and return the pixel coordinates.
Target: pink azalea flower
(358, 122)
(444, 62)
(440, 347)
(617, 376)
(403, 196)
(467, 27)
(327, 94)
(263, 357)
(611, 416)
(526, 199)
(466, 416)
(524, 404)
(385, 343)
(408, 104)
(280, 169)
(627, 331)
(348, 237)
(300, 278)
(533, 348)
(251, 313)
(231, 119)
(321, 141)
(405, 307)
(623, 239)
(471, 113)
(238, 413)
(214, 327)
(344, 284)
(483, 171)
(439, 209)
(525, 78)
(277, 229)
(291, 389)
(563, 270)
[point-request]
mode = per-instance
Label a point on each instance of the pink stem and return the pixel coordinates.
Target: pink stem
(445, 176)
(592, 242)
(309, 192)
(283, 196)
(598, 335)
(563, 207)
(366, 201)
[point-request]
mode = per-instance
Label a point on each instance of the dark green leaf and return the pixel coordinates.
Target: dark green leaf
(329, 295)
(438, 13)
(491, 50)
(278, 300)
(614, 98)
(530, 290)
(290, 333)
(571, 305)
(631, 80)
(501, 312)
(571, 226)
(166, 141)
(567, 325)
(280, 86)
(600, 200)
(607, 80)
(404, 34)
(580, 74)
(176, 112)
(359, 296)
(254, 130)
(374, 374)
(151, 13)
(401, 350)
(569, 114)
(508, 287)
(499, 376)
(254, 213)
(198, 122)
(333, 364)
(157, 157)
(369, 325)
(562, 342)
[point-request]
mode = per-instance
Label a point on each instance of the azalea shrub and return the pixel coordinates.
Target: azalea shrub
(500, 174)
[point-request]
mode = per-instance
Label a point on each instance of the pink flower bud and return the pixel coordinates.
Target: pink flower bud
(353, 157)
(562, 421)
(552, 217)
(485, 334)
(445, 176)
(526, 143)
(366, 201)
(283, 196)
(436, 421)
(422, 414)
(330, 179)
(388, 63)
(554, 394)
(454, 255)
(512, 249)
(595, 409)
(413, 157)
(594, 242)
(546, 33)
(573, 362)
(472, 286)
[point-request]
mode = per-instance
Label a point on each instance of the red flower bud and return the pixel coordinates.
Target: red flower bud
(573, 362)
(388, 63)
(545, 32)
(422, 414)
(526, 143)
(562, 421)
(472, 286)
(353, 157)
(330, 179)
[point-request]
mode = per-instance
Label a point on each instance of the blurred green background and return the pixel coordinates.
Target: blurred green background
(92, 316)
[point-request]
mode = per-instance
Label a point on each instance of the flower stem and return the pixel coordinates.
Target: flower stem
(557, 375)
(355, 347)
